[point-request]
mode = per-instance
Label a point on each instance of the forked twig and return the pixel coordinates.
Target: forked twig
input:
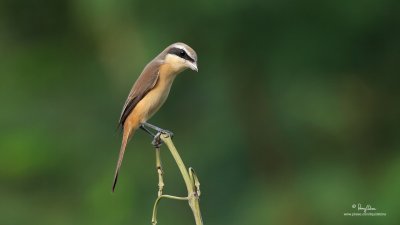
(189, 176)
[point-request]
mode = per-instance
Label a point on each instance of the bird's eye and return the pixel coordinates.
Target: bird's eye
(182, 53)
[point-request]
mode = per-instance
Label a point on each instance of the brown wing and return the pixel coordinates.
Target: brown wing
(146, 81)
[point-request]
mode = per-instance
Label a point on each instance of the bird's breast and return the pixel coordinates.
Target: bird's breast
(155, 98)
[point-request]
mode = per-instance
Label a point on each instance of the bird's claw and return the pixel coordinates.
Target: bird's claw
(157, 140)
(167, 132)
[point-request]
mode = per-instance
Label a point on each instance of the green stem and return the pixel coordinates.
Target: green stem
(193, 197)
(167, 140)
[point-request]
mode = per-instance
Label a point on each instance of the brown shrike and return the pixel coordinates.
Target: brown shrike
(151, 90)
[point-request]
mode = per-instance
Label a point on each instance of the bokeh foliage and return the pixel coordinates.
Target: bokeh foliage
(293, 117)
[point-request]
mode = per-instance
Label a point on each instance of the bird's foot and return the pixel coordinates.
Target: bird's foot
(157, 140)
(167, 132)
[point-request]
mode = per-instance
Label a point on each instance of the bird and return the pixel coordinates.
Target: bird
(150, 91)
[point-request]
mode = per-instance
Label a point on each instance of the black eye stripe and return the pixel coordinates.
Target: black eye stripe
(181, 53)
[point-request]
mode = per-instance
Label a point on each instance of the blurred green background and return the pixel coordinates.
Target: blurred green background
(293, 117)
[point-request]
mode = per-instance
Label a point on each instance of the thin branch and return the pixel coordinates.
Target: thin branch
(155, 207)
(189, 176)
(159, 171)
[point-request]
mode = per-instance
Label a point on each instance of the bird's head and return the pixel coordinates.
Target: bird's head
(180, 57)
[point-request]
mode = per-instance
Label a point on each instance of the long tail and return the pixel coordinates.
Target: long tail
(128, 132)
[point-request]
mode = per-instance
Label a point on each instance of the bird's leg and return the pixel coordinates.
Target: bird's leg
(158, 129)
(147, 131)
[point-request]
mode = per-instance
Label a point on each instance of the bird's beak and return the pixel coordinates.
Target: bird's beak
(193, 66)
